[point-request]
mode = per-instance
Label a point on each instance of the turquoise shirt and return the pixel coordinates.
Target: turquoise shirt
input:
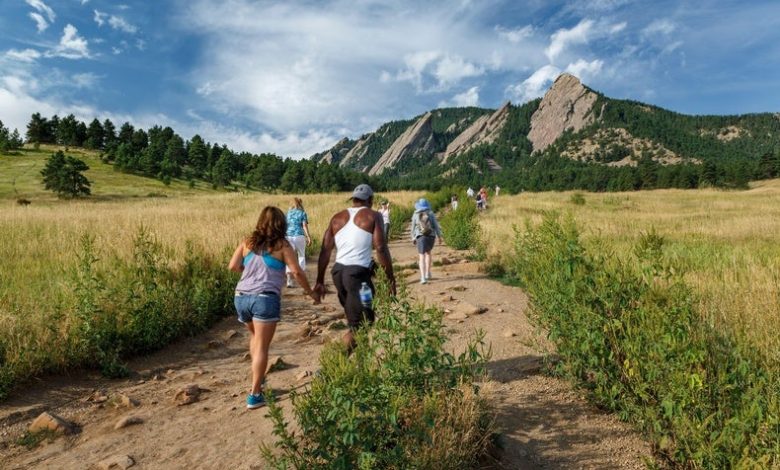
(295, 220)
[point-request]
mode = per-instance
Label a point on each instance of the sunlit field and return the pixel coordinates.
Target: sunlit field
(727, 243)
(42, 242)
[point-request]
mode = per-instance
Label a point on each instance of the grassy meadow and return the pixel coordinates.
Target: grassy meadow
(726, 242)
(43, 249)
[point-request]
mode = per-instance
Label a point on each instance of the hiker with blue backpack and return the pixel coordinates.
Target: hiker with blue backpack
(425, 230)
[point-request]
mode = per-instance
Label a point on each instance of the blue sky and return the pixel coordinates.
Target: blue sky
(293, 77)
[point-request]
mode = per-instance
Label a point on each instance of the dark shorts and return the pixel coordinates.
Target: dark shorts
(264, 308)
(348, 280)
(425, 243)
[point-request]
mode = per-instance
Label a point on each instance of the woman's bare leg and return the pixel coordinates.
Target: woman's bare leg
(261, 341)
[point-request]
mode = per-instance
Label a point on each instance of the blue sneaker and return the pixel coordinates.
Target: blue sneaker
(255, 401)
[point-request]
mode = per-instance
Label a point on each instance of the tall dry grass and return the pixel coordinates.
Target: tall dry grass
(728, 243)
(40, 246)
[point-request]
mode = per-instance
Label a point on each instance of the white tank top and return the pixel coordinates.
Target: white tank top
(353, 244)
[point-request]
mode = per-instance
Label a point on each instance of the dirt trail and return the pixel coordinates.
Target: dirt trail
(544, 422)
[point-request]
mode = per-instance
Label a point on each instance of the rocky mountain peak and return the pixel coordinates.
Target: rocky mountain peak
(566, 105)
(484, 130)
(417, 139)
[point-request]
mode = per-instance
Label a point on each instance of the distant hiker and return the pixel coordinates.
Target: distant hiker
(480, 202)
(484, 196)
(385, 211)
(498, 189)
(353, 232)
(297, 234)
(425, 230)
(454, 202)
(261, 259)
(470, 193)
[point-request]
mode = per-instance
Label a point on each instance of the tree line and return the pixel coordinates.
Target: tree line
(9, 141)
(159, 152)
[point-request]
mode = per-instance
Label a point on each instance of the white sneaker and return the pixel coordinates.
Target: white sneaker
(423, 281)
(290, 283)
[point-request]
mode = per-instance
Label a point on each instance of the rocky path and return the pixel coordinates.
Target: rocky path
(144, 422)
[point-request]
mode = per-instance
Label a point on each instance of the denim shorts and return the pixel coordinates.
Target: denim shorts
(258, 307)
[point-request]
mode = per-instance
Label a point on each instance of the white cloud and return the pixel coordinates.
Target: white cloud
(116, 22)
(585, 70)
(535, 85)
(469, 97)
(662, 27)
(71, 46)
(515, 35)
(43, 9)
(85, 80)
(100, 17)
(341, 67)
(84, 2)
(119, 23)
(26, 55)
(563, 38)
(452, 69)
(116, 50)
(140, 44)
(618, 27)
(40, 22)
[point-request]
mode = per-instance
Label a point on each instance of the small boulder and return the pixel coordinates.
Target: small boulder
(188, 395)
(125, 401)
(276, 363)
(303, 331)
(50, 422)
(117, 462)
(458, 288)
(127, 421)
(214, 344)
(457, 316)
(230, 334)
(302, 375)
(98, 396)
(509, 333)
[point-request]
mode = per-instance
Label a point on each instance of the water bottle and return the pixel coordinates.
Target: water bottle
(366, 296)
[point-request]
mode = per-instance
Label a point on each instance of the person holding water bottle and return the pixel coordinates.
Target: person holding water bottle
(353, 232)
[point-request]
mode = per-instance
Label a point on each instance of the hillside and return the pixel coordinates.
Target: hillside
(20, 177)
(573, 137)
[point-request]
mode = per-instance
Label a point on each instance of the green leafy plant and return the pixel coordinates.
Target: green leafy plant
(628, 331)
(400, 401)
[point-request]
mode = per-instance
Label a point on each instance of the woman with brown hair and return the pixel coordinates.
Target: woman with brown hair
(261, 259)
(298, 234)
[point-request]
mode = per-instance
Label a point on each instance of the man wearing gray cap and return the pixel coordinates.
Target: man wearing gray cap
(353, 232)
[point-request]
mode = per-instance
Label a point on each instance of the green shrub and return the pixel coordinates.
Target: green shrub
(577, 199)
(628, 331)
(400, 401)
(121, 308)
(461, 227)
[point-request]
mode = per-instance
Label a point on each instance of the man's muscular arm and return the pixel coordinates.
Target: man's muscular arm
(328, 243)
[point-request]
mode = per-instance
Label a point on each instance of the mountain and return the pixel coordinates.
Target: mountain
(573, 137)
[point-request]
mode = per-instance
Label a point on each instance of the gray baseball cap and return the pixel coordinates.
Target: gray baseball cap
(363, 192)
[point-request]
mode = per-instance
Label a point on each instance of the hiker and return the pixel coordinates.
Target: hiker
(498, 190)
(454, 202)
(297, 234)
(261, 259)
(470, 193)
(484, 196)
(480, 204)
(425, 230)
(385, 211)
(353, 232)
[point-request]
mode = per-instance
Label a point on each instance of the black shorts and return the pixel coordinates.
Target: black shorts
(348, 280)
(425, 243)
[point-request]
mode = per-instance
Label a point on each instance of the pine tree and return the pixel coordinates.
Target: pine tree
(63, 175)
(95, 135)
(37, 129)
(126, 133)
(109, 135)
